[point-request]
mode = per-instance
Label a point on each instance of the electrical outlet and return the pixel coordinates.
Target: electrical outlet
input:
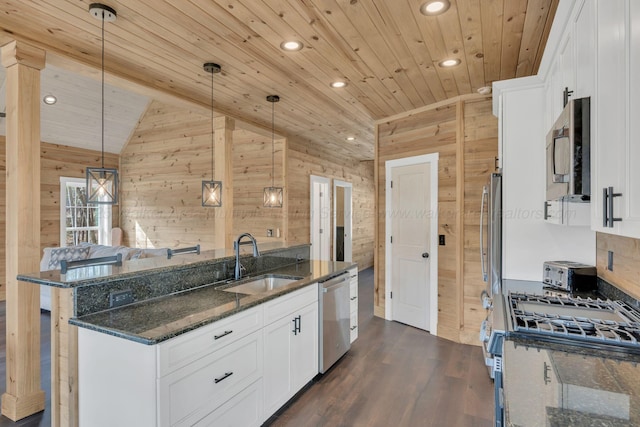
(118, 298)
(610, 260)
(269, 232)
(441, 239)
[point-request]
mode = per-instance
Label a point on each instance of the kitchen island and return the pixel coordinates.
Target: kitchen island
(170, 298)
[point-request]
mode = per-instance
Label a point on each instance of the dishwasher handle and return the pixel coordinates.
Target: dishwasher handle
(334, 283)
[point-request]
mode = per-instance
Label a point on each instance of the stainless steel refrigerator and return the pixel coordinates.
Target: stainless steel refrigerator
(491, 235)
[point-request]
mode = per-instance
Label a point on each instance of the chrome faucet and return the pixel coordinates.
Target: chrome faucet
(236, 247)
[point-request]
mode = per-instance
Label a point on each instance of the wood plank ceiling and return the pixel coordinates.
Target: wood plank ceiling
(386, 50)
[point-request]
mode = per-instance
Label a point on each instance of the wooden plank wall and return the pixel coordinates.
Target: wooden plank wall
(626, 261)
(436, 129)
(480, 151)
(305, 159)
(56, 161)
(251, 173)
(163, 165)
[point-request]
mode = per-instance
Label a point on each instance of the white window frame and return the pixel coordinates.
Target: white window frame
(104, 212)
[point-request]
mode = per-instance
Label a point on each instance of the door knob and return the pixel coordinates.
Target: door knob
(425, 255)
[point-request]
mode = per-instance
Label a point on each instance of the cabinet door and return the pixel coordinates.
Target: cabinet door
(304, 348)
(277, 363)
(630, 226)
(585, 41)
(610, 112)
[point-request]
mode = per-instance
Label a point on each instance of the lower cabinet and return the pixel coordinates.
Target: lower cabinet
(235, 372)
(290, 348)
(353, 302)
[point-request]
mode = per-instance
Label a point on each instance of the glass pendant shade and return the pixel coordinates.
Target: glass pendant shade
(212, 194)
(102, 186)
(102, 183)
(273, 197)
(212, 190)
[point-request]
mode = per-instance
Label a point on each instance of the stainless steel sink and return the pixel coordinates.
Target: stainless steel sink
(262, 284)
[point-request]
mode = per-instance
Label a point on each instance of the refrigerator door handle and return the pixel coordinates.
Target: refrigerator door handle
(485, 192)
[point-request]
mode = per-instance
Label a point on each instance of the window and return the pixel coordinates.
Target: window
(80, 222)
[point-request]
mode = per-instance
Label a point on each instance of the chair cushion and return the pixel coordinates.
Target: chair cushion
(70, 253)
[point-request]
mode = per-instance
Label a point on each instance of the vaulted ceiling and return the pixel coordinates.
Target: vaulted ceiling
(386, 51)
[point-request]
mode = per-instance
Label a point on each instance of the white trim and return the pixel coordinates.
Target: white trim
(104, 212)
(433, 247)
(320, 180)
(348, 220)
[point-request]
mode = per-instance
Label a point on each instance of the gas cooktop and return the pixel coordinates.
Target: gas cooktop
(575, 319)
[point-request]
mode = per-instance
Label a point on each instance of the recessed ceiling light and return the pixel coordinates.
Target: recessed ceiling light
(291, 45)
(49, 99)
(351, 138)
(447, 63)
(338, 84)
(435, 7)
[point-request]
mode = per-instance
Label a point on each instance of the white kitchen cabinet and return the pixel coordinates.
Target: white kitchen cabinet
(564, 212)
(616, 151)
(177, 382)
(353, 302)
(290, 346)
(244, 409)
(192, 392)
(585, 46)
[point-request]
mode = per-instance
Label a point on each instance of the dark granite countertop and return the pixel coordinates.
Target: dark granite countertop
(132, 268)
(569, 384)
(564, 385)
(159, 319)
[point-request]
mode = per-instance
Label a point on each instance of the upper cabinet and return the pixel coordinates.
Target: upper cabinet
(615, 177)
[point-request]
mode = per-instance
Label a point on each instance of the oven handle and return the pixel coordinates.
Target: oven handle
(485, 192)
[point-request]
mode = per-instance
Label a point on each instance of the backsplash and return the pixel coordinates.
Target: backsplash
(626, 262)
(95, 297)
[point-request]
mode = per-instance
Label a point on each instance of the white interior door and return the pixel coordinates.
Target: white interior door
(342, 221)
(412, 241)
(320, 219)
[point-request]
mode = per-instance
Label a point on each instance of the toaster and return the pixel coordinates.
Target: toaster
(569, 276)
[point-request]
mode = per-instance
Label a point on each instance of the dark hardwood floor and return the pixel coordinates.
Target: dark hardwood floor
(41, 419)
(394, 375)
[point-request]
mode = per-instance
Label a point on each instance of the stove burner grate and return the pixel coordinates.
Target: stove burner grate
(555, 316)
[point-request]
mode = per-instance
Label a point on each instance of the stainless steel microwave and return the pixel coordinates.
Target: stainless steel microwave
(568, 153)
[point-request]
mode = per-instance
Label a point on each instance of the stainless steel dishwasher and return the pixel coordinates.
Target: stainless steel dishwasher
(334, 320)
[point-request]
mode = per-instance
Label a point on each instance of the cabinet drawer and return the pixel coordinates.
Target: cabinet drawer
(353, 297)
(287, 304)
(180, 351)
(190, 393)
(243, 410)
(353, 326)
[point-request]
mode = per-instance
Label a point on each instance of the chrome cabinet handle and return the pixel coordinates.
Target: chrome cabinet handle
(224, 334)
(547, 368)
(354, 298)
(354, 327)
(605, 211)
(546, 210)
(222, 378)
(485, 192)
(612, 217)
(297, 325)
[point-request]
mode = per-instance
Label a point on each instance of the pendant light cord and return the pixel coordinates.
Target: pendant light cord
(212, 127)
(273, 146)
(103, 12)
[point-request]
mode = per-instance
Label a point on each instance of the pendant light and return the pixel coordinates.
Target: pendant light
(212, 190)
(273, 195)
(102, 183)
